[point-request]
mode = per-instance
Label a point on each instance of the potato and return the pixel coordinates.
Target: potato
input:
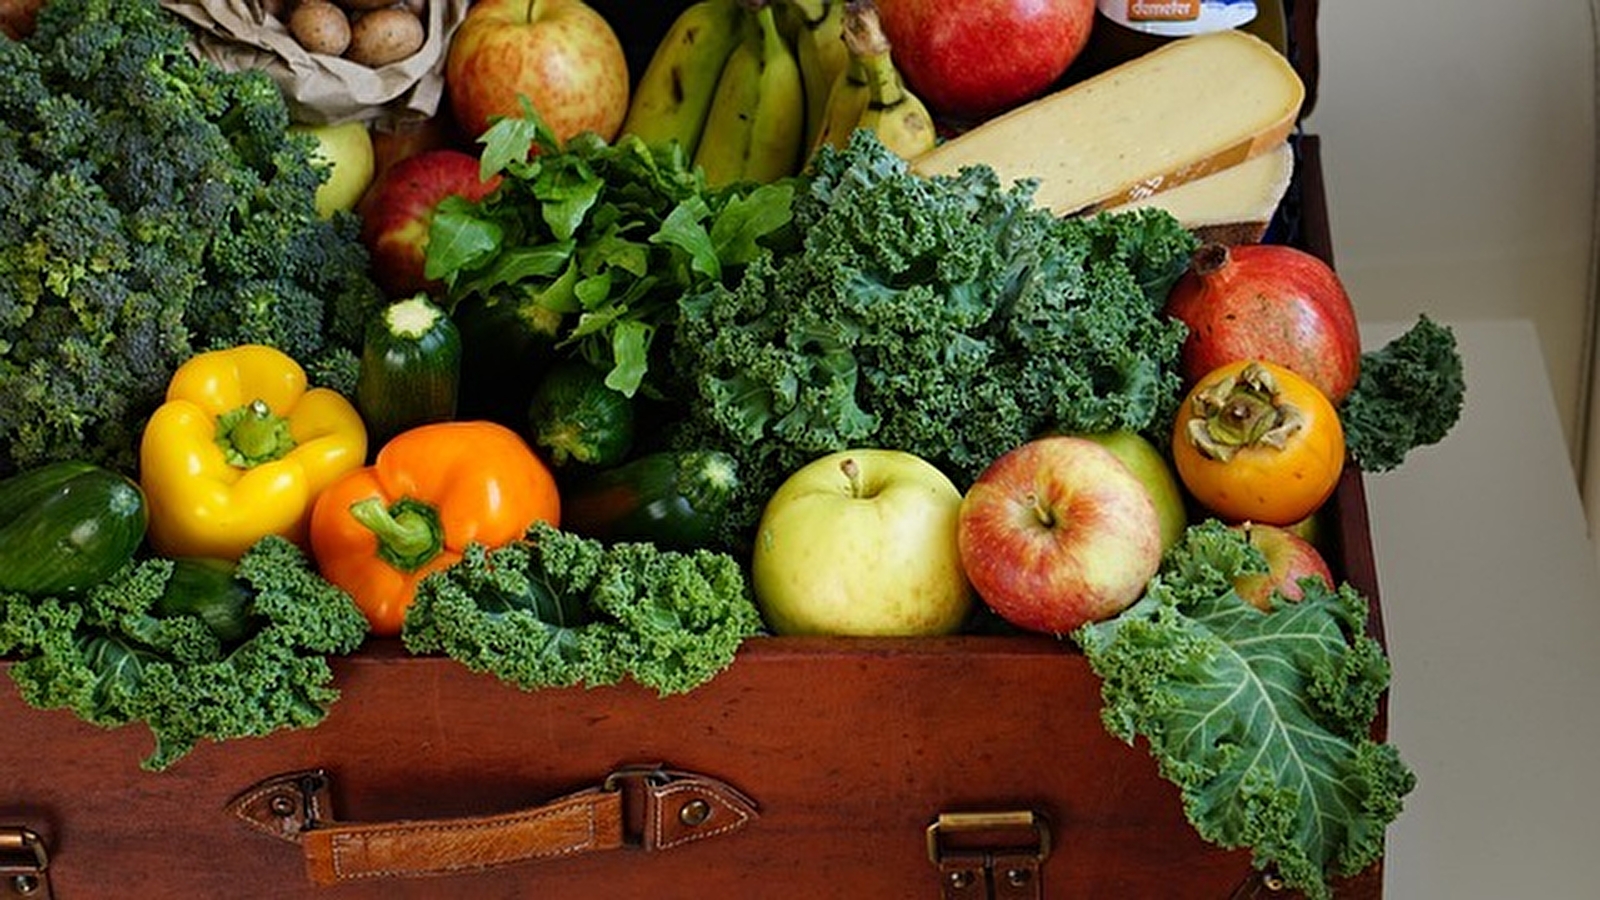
(320, 27)
(383, 36)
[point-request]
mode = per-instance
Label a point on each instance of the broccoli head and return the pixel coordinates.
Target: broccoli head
(152, 206)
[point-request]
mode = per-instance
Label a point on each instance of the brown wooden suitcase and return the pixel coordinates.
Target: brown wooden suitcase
(972, 766)
(828, 762)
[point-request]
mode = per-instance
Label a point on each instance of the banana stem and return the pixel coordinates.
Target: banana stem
(869, 54)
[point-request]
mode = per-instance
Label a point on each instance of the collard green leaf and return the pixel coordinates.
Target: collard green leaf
(1262, 720)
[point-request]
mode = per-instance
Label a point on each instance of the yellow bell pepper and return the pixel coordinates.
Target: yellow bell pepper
(240, 449)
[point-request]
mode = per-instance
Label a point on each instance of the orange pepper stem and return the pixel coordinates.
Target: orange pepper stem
(409, 532)
(253, 434)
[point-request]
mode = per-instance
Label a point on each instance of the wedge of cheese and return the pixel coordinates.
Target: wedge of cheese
(1190, 108)
(1233, 206)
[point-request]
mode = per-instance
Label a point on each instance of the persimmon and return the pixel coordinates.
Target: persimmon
(1255, 442)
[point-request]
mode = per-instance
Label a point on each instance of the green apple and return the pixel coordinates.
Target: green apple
(862, 543)
(347, 149)
(1138, 454)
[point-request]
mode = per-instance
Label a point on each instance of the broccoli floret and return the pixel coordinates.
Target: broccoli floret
(112, 659)
(560, 610)
(152, 206)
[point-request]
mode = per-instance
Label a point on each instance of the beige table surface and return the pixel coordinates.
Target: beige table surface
(1492, 608)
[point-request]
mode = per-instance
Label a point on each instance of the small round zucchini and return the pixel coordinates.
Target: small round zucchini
(575, 418)
(410, 369)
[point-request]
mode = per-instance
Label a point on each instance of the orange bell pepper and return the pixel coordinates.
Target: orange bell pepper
(431, 491)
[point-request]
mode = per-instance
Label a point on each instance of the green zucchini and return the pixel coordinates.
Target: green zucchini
(508, 345)
(67, 526)
(410, 369)
(575, 417)
(675, 499)
(206, 587)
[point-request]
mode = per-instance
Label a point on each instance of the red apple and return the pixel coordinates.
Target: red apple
(1058, 533)
(971, 60)
(561, 55)
(17, 17)
(398, 209)
(1289, 559)
(1271, 302)
(402, 141)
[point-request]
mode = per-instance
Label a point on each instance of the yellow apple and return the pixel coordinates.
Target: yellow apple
(862, 543)
(346, 149)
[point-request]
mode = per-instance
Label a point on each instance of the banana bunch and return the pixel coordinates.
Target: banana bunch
(747, 88)
(673, 97)
(871, 95)
(755, 129)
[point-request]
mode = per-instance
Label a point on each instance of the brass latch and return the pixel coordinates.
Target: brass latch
(24, 864)
(990, 855)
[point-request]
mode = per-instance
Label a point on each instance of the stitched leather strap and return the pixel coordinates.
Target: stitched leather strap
(651, 808)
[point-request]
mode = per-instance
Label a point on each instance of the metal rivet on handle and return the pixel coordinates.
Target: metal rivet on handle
(282, 805)
(24, 885)
(961, 879)
(695, 812)
(1018, 877)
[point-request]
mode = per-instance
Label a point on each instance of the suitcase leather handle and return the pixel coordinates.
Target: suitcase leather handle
(649, 807)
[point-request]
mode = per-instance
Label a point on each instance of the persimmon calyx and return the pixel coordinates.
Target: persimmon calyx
(1239, 411)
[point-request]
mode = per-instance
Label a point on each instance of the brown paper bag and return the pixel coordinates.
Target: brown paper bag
(323, 89)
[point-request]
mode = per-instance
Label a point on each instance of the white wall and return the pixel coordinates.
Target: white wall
(1458, 142)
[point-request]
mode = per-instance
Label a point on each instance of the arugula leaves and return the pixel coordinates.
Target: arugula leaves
(1263, 720)
(608, 235)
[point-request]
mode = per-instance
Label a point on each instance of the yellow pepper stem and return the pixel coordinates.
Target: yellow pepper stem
(409, 532)
(253, 434)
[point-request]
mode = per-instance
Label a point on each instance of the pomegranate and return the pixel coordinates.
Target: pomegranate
(1271, 302)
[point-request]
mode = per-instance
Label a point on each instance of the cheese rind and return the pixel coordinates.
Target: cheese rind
(1193, 107)
(1232, 206)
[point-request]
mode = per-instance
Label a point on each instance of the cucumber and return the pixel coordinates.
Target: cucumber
(574, 417)
(67, 526)
(410, 369)
(508, 346)
(675, 499)
(205, 587)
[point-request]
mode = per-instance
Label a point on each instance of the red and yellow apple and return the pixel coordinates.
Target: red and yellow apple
(397, 213)
(1058, 533)
(346, 149)
(1289, 559)
(862, 543)
(561, 55)
(971, 60)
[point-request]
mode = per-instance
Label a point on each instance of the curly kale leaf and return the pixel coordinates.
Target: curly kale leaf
(559, 610)
(1263, 720)
(948, 317)
(1409, 394)
(109, 658)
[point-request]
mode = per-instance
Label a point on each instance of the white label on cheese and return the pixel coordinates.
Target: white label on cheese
(1178, 18)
